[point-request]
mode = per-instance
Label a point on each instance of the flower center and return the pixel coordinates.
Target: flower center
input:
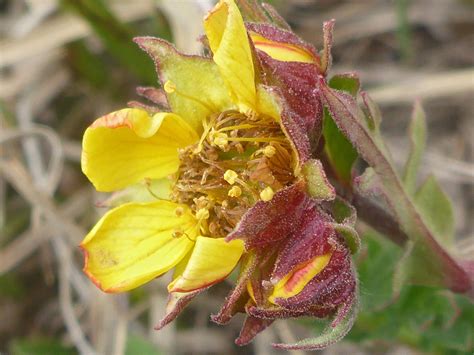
(239, 160)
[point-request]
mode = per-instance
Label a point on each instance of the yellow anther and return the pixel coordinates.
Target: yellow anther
(169, 87)
(179, 211)
(267, 194)
(202, 213)
(269, 151)
(177, 233)
(230, 176)
(235, 191)
(221, 140)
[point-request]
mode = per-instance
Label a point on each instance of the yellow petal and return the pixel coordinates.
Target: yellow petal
(229, 42)
(145, 191)
(268, 103)
(293, 283)
(211, 261)
(127, 146)
(194, 86)
(136, 242)
(285, 52)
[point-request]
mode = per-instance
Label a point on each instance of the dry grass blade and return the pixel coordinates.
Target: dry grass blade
(436, 85)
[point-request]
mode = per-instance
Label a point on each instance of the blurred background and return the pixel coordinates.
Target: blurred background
(64, 63)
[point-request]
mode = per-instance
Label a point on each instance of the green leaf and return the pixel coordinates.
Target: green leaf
(417, 133)
(372, 112)
(427, 319)
(39, 346)
(138, 345)
(444, 270)
(87, 65)
(339, 151)
(348, 82)
(435, 207)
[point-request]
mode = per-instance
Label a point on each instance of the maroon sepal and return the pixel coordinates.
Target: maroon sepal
(296, 80)
(176, 303)
(278, 312)
(238, 297)
(268, 222)
(308, 240)
(150, 109)
(252, 326)
(331, 287)
(155, 95)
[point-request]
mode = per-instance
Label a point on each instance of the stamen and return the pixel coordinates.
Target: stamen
(148, 187)
(221, 140)
(239, 160)
(231, 128)
(257, 139)
(177, 233)
(269, 151)
(202, 214)
(267, 194)
(169, 87)
(230, 176)
(235, 191)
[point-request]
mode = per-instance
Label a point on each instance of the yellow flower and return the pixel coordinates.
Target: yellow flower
(219, 151)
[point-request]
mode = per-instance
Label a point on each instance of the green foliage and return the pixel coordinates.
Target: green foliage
(435, 207)
(428, 319)
(137, 345)
(87, 65)
(39, 346)
(346, 82)
(116, 36)
(426, 262)
(417, 133)
(11, 287)
(339, 151)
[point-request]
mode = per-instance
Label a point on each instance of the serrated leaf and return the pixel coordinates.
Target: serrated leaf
(435, 207)
(417, 133)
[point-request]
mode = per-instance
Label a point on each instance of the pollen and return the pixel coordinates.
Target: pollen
(177, 233)
(235, 191)
(202, 213)
(230, 176)
(267, 194)
(179, 211)
(269, 151)
(169, 87)
(221, 140)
